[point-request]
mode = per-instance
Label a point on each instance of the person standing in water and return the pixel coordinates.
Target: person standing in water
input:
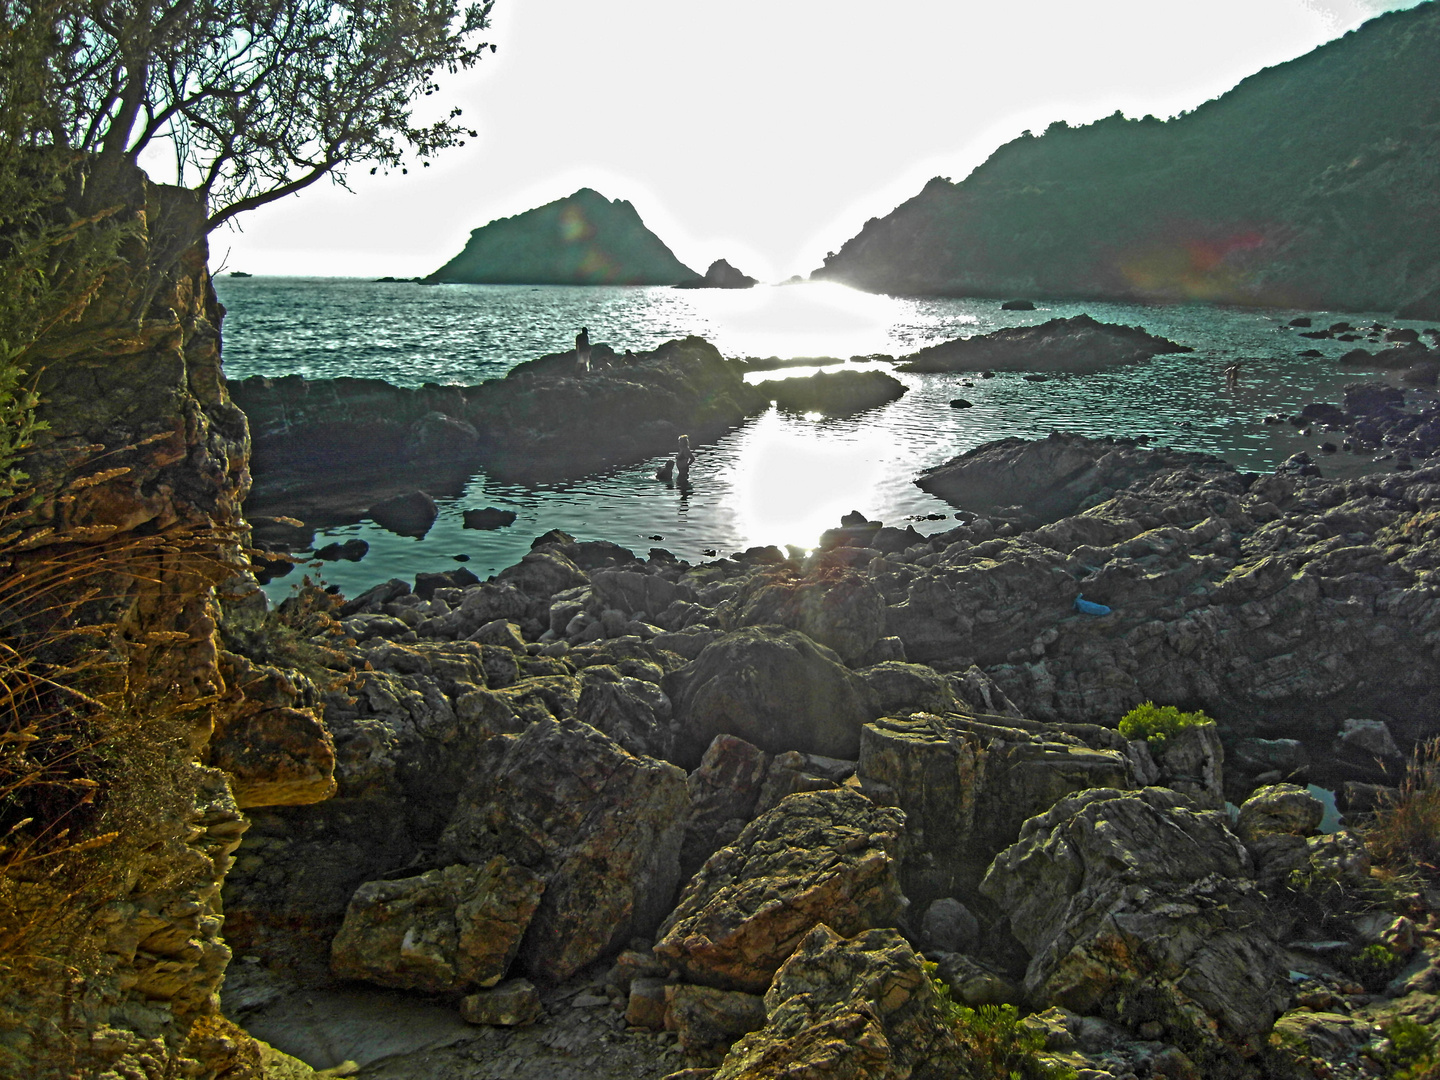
(582, 349)
(683, 458)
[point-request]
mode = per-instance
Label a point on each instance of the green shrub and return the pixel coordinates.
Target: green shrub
(999, 1044)
(1374, 966)
(1156, 723)
(1412, 1051)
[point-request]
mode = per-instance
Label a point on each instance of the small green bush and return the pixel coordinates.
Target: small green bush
(1412, 1052)
(1000, 1046)
(1156, 723)
(1374, 966)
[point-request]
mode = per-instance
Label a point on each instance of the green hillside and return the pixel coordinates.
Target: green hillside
(1314, 183)
(585, 239)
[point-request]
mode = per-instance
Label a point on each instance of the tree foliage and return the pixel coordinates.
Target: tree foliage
(246, 100)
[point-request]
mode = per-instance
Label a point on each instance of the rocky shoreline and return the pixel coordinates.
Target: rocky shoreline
(715, 816)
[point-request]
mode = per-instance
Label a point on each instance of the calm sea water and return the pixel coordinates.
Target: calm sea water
(778, 478)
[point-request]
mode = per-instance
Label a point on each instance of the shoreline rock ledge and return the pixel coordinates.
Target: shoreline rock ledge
(563, 805)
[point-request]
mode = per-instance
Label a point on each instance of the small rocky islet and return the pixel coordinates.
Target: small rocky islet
(762, 814)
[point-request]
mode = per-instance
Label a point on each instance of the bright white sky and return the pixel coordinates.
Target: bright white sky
(766, 132)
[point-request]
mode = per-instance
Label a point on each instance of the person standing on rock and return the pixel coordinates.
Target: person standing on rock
(582, 350)
(683, 458)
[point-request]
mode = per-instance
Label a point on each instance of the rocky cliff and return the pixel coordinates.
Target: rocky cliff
(139, 480)
(585, 239)
(1313, 183)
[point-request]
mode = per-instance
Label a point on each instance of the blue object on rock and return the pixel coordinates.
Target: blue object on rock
(1087, 607)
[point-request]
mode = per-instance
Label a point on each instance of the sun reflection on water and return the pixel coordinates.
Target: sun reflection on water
(793, 478)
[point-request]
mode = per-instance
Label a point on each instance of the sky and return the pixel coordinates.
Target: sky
(766, 132)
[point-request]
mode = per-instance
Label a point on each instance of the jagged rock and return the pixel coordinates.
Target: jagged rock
(633, 712)
(708, 1020)
(274, 747)
(775, 688)
(793, 771)
(600, 827)
(1079, 345)
(904, 688)
(445, 930)
(842, 610)
(410, 514)
(1287, 809)
(1191, 762)
(823, 856)
(1141, 907)
(966, 784)
(857, 1009)
(513, 1003)
(723, 791)
(834, 393)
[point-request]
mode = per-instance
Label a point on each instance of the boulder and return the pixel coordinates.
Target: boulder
(723, 791)
(489, 517)
(436, 435)
(443, 931)
(1286, 809)
(856, 1009)
(821, 856)
(900, 688)
(410, 514)
(774, 688)
(706, 1020)
(1078, 345)
(967, 783)
(1140, 907)
(834, 393)
(601, 827)
(633, 712)
(513, 1003)
(839, 609)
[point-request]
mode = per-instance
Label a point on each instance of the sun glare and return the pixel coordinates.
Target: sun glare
(811, 319)
(793, 478)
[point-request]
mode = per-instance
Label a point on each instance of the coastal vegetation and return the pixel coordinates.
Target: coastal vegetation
(1310, 184)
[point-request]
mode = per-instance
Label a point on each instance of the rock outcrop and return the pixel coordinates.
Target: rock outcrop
(721, 275)
(1139, 906)
(818, 857)
(837, 393)
(327, 450)
(1079, 345)
(584, 239)
(1035, 482)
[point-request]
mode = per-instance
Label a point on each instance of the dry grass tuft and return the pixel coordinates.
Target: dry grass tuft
(1405, 832)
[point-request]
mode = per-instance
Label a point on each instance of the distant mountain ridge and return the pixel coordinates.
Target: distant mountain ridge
(1314, 183)
(584, 239)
